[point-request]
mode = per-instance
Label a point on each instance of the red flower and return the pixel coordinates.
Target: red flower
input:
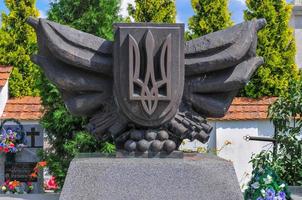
(33, 175)
(1, 149)
(42, 164)
(11, 145)
(11, 187)
(51, 184)
(6, 150)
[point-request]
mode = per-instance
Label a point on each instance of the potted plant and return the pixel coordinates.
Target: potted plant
(286, 157)
(266, 185)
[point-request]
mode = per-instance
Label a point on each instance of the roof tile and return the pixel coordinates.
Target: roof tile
(4, 74)
(243, 108)
(25, 108)
(30, 108)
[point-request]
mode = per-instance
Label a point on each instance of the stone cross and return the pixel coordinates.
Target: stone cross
(33, 133)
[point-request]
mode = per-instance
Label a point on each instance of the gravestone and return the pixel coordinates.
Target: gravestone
(26, 159)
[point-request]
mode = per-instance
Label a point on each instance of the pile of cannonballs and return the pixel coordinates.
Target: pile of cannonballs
(150, 140)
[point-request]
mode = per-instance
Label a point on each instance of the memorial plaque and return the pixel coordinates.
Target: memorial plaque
(20, 171)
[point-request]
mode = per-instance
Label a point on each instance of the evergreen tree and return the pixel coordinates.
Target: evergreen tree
(276, 45)
(157, 11)
(17, 43)
(66, 133)
(210, 16)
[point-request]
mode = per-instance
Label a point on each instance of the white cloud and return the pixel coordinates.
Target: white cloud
(42, 14)
(124, 6)
(178, 20)
(240, 1)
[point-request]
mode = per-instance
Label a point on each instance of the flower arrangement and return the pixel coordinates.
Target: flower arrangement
(11, 141)
(39, 166)
(16, 187)
(266, 185)
(51, 184)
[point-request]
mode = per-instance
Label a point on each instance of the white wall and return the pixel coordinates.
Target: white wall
(296, 23)
(239, 151)
(3, 97)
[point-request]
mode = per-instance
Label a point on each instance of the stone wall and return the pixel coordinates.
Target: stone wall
(296, 23)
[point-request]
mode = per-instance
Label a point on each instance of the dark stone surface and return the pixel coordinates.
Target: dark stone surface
(149, 154)
(198, 177)
(217, 65)
(149, 71)
(148, 78)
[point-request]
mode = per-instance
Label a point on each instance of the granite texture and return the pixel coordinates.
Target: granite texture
(296, 192)
(200, 177)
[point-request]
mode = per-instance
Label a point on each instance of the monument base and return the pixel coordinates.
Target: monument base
(194, 177)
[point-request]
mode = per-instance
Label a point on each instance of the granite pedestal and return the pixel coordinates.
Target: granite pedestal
(198, 177)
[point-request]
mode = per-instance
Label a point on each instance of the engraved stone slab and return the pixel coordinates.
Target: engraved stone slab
(26, 159)
(20, 171)
(196, 177)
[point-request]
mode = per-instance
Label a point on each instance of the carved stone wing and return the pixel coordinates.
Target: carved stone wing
(80, 65)
(218, 65)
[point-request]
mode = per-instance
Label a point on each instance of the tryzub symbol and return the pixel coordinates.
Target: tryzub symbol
(149, 81)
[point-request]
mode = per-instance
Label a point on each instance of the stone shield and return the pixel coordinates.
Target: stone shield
(149, 71)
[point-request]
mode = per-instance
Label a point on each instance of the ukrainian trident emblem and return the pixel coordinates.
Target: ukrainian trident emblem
(155, 77)
(146, 85)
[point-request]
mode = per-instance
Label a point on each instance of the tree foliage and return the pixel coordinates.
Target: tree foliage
(66, 133)
(157, 11)
(285, 114)
(276, 45)
(210, 16)
(17, 43)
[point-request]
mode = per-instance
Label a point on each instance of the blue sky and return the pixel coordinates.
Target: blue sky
(184, 9)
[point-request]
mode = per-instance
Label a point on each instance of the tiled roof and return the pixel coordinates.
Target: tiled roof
(24, 108)
(4, 74)
(30, 108)
(248, 109)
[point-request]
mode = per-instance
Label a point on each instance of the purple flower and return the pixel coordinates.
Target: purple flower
(270, 194)
(281, 195)
(259, 198)
(13, 150)
(3, 136)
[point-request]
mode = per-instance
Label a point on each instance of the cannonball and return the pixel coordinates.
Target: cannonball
(130, 145)
(150, 135)
(143, 145)
(156, 146)
(169, 146)
(137, 135)
(163, 135)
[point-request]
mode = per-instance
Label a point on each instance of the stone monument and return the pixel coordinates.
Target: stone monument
(26, 159)
(148, 90)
